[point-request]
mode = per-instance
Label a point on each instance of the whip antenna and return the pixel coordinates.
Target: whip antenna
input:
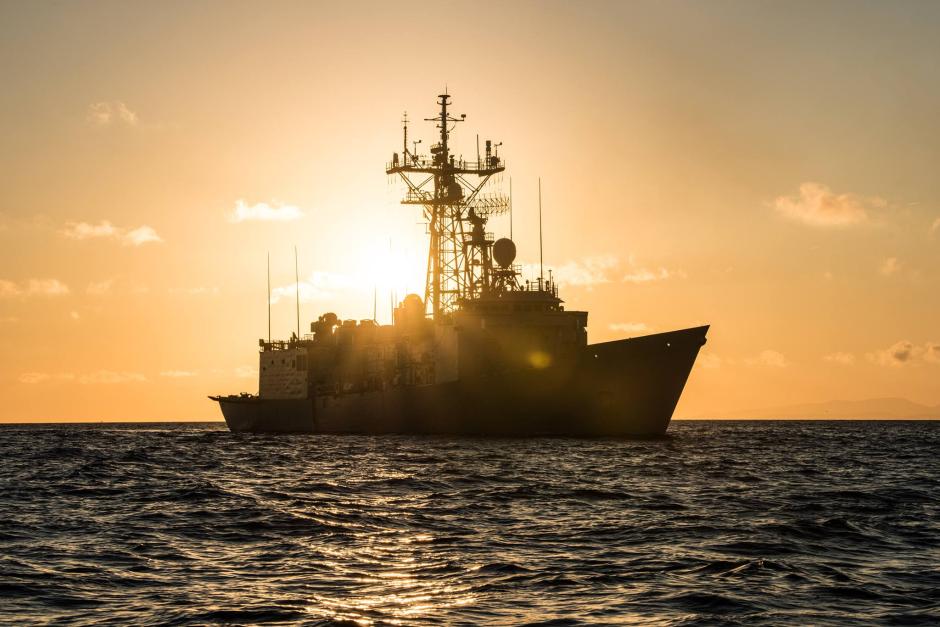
(269, 297)
(297, 290)
(541, 274)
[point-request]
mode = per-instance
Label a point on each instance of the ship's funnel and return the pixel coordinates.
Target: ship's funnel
(504, 251)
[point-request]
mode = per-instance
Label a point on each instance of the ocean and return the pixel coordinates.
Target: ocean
(720, 523)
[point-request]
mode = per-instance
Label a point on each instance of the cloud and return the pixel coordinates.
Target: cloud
(317, 287)
(178, 374)
(597, 270)
(32, 378)
(9, 289)
(33, 287)
(846, 359)
(932, 352)
(587, 272)
(889, 266)
(109, 377)
(709, 360)
(105, 113)
(91, 378)
(99, 288)
(264, 212)
(46, 287)
(246, 372)
(74, 315)
(84, 230)
(643, 275)
(630, 327)
(770, 358)
(139, 236)
(817, 205)
(640, 274)
(905, 352)
(935, 227)
(895, 355)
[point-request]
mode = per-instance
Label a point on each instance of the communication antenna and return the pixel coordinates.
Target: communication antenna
(297, 289)
(541, 274)
(404, 149)
(510, 207)
(375, 302)
(269, 297)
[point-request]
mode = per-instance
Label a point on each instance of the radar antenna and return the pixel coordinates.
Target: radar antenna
(449, 190)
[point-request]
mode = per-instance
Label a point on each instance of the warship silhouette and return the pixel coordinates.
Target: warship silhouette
(483, 353)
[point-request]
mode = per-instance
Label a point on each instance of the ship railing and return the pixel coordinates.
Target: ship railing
(488, 237)
(541, 285)
(418, 197)
(423, 163)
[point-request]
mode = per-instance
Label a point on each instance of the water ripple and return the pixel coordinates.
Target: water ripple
(720, 523)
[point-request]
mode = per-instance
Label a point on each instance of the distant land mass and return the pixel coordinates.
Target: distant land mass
(872, 408)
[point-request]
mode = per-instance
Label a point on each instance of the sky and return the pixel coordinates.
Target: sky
(765, 168)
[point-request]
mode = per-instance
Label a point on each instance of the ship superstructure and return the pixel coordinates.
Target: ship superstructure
(482, 353)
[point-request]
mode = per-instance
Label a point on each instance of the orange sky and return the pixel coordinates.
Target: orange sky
(767, 169)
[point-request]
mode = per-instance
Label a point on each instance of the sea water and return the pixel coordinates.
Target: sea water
(718, 523)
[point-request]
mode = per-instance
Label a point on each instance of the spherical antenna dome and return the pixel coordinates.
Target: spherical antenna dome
(413, 301)
(504, 251)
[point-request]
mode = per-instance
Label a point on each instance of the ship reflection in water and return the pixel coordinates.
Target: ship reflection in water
(723, 522)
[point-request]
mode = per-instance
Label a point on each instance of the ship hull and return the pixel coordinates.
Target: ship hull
(622, 388)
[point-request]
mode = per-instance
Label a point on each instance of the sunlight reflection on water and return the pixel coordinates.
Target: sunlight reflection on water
(765, 522)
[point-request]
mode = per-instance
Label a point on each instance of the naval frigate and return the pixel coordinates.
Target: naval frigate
(483, 353)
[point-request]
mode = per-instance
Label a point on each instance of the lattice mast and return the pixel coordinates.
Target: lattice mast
(455, 210)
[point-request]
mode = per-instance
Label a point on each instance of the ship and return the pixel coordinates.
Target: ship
(483, 353)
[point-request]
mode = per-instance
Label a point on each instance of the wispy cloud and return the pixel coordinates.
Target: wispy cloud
(33, 287)
(99, 288)
(178, 374)
(638, 273)
(935, 227)
(845, 359)
(105, 230)
(889, 266)
(264, 212)
(110, 377)
(9, 289)
(771, 358)
(318, 286)
(141, 235)
(905, 352)
(645, 275)
(32, 378)
(932, 352)
(109, 112)
(97, 377)
(709, 360)
(598, 270)
(631, 327)
(586, 272)
(246, 372)
(817, 205)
